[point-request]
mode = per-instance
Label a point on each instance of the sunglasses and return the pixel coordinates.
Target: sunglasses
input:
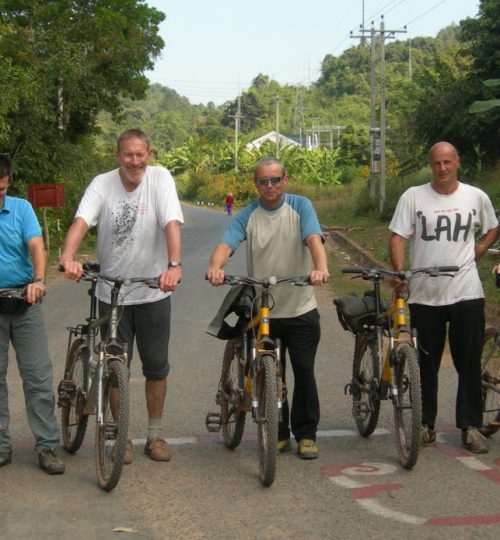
(265, 181)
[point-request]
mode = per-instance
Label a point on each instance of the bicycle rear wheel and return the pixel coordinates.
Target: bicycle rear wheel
(365, 383)
(407, 404)
(232, 394)
(111, 434)
(490, 374)
(267, 418)
(73, 421)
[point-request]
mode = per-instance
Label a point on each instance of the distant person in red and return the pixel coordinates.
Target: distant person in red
(229, 204)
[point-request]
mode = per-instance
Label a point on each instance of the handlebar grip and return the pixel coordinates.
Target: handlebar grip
(352, 270)
(448, 268)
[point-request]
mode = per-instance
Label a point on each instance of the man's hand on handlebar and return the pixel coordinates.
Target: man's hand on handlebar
(72, 269)
(215, 276)
(318, 277)
(169, 280)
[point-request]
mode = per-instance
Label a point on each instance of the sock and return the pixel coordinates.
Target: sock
(154, 428)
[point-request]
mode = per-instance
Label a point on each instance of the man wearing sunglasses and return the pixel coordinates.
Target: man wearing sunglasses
(284, 238)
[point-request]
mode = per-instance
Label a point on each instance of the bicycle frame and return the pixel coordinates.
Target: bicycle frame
(93, 369)
(399, 332)
(259, 330)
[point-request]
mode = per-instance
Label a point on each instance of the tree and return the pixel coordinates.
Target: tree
(84, 57)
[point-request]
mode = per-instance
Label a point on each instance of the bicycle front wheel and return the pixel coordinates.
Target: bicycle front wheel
(365, 383)
(490, 378)
(112, 432)
(267, 418)
(407, 404)
(73, 421)
(232, 393)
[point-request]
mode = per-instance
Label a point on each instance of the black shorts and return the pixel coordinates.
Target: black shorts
(150, 325)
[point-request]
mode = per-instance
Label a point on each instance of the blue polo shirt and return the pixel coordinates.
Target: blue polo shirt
(18, 225)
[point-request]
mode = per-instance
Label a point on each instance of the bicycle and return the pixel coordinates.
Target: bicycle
(95, 381)
(385, 375)
(251, 378)
(490, 380)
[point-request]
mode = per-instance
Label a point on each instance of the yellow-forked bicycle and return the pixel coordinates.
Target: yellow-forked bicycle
(385, 363)
(251, 378)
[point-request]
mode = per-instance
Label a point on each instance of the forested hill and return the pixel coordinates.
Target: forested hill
(73, 78)
(430, 83)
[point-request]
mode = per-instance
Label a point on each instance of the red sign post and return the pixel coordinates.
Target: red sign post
(47, 196)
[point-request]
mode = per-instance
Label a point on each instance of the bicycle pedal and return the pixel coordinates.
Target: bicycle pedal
(213, 422)
(65, 392)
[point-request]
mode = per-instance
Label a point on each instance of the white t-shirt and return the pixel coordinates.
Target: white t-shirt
(131, 228)
(441, 230)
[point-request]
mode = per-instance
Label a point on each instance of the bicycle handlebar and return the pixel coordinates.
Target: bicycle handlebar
(91, 271)
(13, 292)
(300, 281)
(381, 273)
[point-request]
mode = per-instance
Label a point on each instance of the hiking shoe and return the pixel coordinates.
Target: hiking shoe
(128, 455)
(5, 458)
(308, 449)
(157, 449)
(427, 436)
(284, 446)
(49, 462)
(474, 441)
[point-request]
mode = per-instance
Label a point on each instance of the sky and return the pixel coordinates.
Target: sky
(215, 48)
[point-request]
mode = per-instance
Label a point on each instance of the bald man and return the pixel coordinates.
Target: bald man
(440, 219)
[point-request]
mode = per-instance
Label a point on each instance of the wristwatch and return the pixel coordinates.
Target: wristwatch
(39, 280)
(174, 264)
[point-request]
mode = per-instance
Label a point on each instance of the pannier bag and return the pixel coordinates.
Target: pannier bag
(239, 300)
(354, 312)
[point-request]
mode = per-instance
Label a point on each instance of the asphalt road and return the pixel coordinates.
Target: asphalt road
(356, 488)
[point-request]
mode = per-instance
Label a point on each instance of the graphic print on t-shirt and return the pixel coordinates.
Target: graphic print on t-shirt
(124, 217)
(448, 225)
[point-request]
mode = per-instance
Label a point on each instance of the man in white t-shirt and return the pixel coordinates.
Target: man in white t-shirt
(138, 215)
(441, 219)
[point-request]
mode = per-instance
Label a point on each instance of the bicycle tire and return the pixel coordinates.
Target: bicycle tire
(365, 384)
(267, 418)
(73, 421)
(232, 394)
(111, 434)
(490, 377)
(408, 409)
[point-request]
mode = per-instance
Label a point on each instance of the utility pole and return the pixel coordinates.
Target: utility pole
(373, 119)
(409, 62)
(278, 127)
(382, 115)
(237, 117)
(377, 134)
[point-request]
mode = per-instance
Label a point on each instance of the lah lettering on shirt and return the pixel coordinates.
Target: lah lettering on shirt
(446, 226)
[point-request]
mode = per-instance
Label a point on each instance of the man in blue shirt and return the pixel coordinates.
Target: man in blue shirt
(284, 238)
(22, 324)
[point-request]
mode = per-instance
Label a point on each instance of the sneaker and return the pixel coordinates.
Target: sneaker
(427, 436)
(284, 446)
(49, 462)
(157, 449)
(5, 458)
(308, 449)
(474, 441)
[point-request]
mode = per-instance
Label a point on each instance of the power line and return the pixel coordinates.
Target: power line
(426, 12)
